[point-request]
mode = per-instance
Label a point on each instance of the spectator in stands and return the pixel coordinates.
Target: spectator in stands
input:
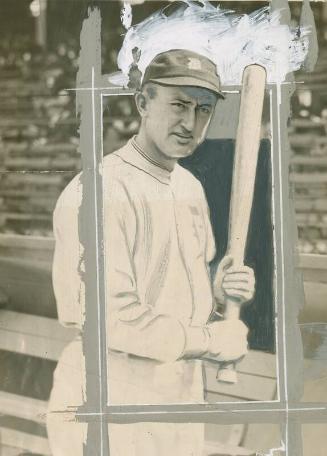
(159, 243)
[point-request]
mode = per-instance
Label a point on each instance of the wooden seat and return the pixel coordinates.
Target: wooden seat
(34, 336)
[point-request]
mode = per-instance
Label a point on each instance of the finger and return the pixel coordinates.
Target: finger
(239, 286)
(241, 269)
(239, 295)
(238, 278)
(242, 295)
(235, 270)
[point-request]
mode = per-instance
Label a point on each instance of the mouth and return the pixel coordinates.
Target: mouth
(183, 139)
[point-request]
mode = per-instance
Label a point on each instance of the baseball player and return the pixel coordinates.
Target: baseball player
(158, 244)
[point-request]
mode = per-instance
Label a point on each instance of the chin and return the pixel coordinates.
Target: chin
(184, 152)
(177, 151)
(187, 153)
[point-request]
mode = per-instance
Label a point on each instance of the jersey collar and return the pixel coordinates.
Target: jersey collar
(135, 156)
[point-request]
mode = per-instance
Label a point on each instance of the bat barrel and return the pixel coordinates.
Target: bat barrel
(244, 172)
(245, 159)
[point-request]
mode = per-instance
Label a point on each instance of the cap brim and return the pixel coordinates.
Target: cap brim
(188, 81)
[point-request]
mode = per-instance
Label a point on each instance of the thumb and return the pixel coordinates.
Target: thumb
(226, 263)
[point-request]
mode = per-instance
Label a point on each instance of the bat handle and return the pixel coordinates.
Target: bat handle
(227, 370)
(227, 373)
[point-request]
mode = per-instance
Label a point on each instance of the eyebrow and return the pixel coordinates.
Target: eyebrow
(181, 100)
(189, 102)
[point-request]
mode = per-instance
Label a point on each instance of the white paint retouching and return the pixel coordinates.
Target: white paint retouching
(230, 40)
(273, 451)
(126, 15)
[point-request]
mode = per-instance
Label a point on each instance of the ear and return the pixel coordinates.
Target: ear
(141, 102)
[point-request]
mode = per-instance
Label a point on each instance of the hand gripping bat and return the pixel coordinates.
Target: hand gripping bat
(244, 171)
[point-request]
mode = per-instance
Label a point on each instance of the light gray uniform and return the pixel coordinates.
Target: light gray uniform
(158, 243)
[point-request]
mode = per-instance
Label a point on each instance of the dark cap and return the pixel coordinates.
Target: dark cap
(183, 68)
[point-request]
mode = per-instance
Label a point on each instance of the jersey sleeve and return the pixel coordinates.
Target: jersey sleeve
(134, 327)
(68, 257)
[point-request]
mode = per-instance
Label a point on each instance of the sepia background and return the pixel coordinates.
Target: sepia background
(39, 45)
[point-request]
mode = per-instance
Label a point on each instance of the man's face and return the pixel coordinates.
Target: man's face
(176, 118)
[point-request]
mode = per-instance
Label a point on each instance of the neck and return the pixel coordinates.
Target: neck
(150, 150)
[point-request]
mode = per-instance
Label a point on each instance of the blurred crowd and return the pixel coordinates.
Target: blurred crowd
(39, 132)
(308, 142)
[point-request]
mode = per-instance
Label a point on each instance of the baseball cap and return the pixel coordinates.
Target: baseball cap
(180, 67)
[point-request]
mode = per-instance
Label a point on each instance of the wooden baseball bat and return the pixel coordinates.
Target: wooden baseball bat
(244, 172)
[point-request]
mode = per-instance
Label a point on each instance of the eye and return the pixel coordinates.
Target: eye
(205, 110)
(178, 106)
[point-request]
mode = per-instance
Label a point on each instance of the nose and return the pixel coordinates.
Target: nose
(188, 121)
